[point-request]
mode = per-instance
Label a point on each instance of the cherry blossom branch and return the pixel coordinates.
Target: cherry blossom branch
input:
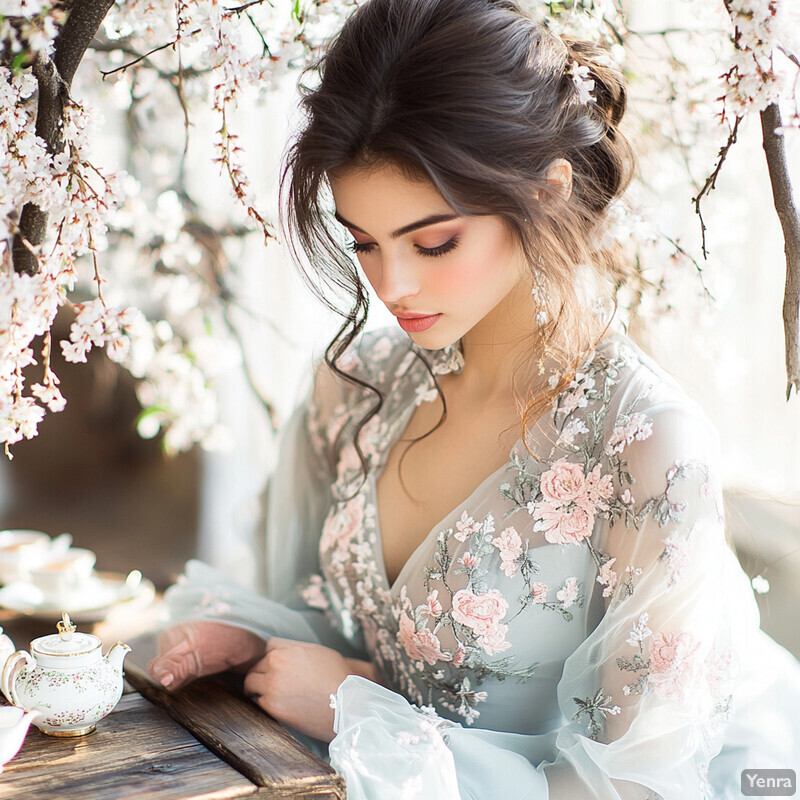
(118, 46)
(711, 180)
(775, 150)
(54, 79)
(33, 221)
(173, 42)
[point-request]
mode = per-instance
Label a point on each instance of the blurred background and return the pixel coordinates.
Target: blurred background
(90, 472)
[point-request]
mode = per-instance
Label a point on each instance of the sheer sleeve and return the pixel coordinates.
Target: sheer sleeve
(296, 605)
(645, 699)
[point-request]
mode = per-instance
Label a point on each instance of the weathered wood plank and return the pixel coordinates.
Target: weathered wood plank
(137, 753)
(243, 735)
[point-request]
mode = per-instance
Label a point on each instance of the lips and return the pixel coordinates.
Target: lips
(415, 323)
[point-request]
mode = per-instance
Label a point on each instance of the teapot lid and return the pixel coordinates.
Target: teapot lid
(66, 642)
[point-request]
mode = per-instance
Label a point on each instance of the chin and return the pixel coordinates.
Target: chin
(433, 339)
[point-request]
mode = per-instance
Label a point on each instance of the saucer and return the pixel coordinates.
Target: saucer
(102, 593)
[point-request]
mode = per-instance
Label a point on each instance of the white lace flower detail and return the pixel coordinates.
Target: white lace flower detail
(444, 361)
(449, 359)
(640, 631)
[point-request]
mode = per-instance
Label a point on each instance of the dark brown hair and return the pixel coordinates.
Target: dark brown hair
(477, 98)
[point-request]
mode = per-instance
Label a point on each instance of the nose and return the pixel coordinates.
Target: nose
(395, 280)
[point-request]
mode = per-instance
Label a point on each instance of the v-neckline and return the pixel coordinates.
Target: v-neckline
(372, 484)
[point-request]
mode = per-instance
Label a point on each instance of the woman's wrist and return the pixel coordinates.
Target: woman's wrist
(365, 669)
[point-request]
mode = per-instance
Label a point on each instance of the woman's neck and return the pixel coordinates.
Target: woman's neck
(499, 350)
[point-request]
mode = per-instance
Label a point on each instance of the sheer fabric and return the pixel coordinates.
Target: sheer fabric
(578, 627)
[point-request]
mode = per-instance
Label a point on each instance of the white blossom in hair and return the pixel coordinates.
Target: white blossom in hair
(584, 83)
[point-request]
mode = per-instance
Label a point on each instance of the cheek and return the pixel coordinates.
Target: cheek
(460, 279)
(484, 273)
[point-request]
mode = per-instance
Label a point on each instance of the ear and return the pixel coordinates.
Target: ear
(560, 172)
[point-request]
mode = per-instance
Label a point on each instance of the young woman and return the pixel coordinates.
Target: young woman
(496, 530)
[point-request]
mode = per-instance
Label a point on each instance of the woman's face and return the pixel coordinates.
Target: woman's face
(441, 275)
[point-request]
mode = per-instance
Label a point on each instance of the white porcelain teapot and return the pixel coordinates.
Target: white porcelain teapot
(67, 678)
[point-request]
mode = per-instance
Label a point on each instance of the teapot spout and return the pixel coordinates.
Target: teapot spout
(116, 655)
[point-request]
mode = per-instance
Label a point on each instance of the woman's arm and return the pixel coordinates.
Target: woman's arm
(294, 682)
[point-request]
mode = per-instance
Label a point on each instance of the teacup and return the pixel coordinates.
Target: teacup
(63, 575)
(19, 551)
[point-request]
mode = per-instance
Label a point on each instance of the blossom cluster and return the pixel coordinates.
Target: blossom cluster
(183, 343)
(753, 82)
(219, 55)
(28, 28)
(77, 197)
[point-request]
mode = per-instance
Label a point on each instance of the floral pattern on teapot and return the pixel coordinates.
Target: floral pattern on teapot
(68, 680)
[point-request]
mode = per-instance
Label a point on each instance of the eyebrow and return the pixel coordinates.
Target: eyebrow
(420, 223)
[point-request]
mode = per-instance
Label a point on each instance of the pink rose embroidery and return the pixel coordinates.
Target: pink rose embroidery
(674, 665)
(539, 592)
(565, 524)
(422, 645)
(494, 641)
(599, 488)
(566, 514)
(480, 612)
(510, 546)
(465, 527)
(341, 524)
(563, 482)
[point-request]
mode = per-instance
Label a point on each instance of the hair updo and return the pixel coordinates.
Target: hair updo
(479, 99)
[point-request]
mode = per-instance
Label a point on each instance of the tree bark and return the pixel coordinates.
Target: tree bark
(55, 78)
(789, 216)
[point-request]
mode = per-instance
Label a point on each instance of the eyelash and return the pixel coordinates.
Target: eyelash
(429, 252)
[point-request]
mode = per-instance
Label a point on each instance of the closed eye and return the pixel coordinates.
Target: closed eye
(429, 252)
(441, 250)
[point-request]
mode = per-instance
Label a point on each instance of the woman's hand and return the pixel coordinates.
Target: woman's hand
(294, 682)
(193, 649)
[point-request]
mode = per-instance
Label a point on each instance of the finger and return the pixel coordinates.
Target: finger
(175, 670)
(161, 672)
(174, 637)
(255, 684)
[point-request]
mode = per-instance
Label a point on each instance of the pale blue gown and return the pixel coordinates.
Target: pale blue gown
(578, 627)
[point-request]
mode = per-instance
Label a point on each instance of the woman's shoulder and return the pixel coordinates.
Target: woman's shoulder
(376, 355)
(370, 362)
(636, 399)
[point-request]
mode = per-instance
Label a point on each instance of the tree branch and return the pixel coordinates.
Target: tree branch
(711, 180)
(54, 79)
(775, 150)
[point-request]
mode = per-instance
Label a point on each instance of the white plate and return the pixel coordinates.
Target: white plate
(103, 592)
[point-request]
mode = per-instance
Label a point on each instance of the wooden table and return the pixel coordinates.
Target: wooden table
(205, 742)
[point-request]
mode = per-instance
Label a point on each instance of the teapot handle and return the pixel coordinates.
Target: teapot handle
(9, 674)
